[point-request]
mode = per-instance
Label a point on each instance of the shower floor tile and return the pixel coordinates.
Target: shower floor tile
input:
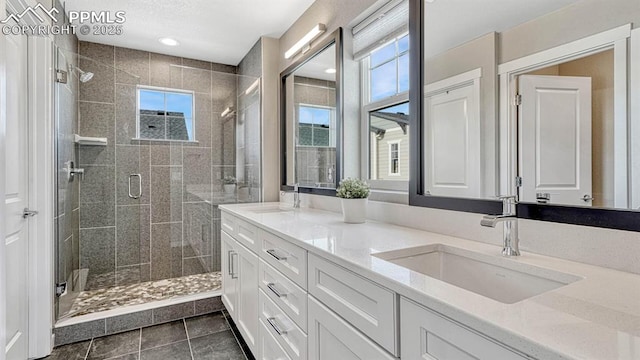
(92, 301)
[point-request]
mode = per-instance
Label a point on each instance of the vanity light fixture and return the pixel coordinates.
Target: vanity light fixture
(169, 41)
(252, 87)
(227, 111)
(330, 71)
(304, 42)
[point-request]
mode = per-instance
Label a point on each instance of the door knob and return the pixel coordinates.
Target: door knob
(26, 213)
(587, 198)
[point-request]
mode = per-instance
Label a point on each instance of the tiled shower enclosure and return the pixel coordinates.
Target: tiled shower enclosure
(110, 244)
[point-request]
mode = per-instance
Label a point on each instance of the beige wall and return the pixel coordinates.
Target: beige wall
(588, 17)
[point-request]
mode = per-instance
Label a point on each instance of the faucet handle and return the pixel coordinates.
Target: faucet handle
(508, 199)
(296, 187)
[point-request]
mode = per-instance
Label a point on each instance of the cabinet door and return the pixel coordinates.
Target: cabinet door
(269, 348)
(332, 338)
(248, 296)
(229, 275)
(428, 335)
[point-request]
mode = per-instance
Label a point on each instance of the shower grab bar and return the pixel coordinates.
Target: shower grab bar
(139, 176)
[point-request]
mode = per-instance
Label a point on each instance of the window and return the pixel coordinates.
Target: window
(388, 132)
(394, 158)
(165, 114)
(389, 70)
(316, 126)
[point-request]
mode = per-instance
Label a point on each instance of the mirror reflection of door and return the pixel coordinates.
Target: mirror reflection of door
(453, 137)
(566, 133)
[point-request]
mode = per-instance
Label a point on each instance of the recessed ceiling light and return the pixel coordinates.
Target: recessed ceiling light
(169, 41)
(330, 71)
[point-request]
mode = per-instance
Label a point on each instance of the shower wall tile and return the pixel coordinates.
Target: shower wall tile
(251, 64)
(166, 194)
(135, 274)
(173, 312)
(197, 229)
(97, 250)
(166, 240)
(224, 68)
(203, 111)
(132, 62)
(97, 120)
(125, 113)
(196, 265)
(198, 64)
(126, 322)
(196, 80)
(224, 91)
(197, 173)
(161, 73)
(208, 305)
(76, 238)
(98, 59)
(97, 214)
(133, 236)
(97, 197)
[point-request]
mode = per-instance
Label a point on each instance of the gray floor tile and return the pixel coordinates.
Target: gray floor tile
(175, 351)
(164, 334)
(132, 356)
(115, 345)
(218, 346)
(206, 325)
(75, 351)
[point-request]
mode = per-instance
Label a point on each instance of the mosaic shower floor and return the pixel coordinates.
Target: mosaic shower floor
(92, 301)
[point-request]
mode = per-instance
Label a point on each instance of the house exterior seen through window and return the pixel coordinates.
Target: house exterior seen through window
(165, 114)
(315, 126)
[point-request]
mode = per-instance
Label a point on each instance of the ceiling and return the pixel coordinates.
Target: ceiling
(220, 31)
(316, 67)
(450, 23)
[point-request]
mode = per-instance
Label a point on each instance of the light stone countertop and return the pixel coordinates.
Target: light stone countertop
(597, 317)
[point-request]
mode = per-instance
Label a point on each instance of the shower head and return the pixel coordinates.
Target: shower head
(84, 76)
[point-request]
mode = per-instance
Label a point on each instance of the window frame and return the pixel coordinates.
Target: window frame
(166, 90)
(369, 106)
(332, 122)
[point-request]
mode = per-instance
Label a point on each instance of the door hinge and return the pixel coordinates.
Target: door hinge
(518, 181)
(61, 76)
(61, 289)
(517, 101)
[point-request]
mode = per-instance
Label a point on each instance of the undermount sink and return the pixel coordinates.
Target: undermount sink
(267, 210)
(500, 279)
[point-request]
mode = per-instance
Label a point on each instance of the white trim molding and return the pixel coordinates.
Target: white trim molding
(634, 123)
(453, 82)
(3, 126)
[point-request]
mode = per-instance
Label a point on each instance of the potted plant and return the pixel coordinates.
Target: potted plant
(229, 184)
(353, 194)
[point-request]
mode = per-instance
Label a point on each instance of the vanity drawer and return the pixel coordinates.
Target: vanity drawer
(248, 235)
(228, 224)
(285, 293)
(366, 305)
(289, 259)
(292, 339)
(428, 335)
(269, 349)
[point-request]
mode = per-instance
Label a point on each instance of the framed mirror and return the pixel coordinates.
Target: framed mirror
(527, 99)
(311, 118)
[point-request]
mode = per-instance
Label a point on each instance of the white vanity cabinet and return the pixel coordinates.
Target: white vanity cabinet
(431, 336)
(240, 288)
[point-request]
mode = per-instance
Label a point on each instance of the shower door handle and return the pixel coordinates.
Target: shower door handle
(139, 186)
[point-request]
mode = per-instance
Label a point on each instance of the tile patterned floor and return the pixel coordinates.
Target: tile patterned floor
(111, 298)
(204, 337)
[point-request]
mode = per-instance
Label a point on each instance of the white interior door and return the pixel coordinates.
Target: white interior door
(16, 199)
(452, 133)
(555, 139)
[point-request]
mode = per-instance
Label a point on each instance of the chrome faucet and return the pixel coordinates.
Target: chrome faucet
(296, 196)
(510, 235)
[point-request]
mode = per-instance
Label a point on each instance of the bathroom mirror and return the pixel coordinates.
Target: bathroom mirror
(528, 99)
(311, 118)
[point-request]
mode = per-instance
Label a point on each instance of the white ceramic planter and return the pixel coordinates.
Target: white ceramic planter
(229, 188)
(354, 211)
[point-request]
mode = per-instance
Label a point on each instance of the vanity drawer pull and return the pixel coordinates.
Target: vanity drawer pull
(275, 326)
(273, 289)
(273, 253)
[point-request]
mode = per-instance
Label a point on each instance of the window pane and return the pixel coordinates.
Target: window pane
(165, 115)
(403, 44)
(180, 103)
(384, 81)
(383, 54)
(388, 130)
(151, 100)
(403, 73)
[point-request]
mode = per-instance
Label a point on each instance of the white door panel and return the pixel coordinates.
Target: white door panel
(16, 199)
(452, 133)
(555, 123)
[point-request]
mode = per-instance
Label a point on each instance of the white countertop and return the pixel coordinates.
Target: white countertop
(597, 317)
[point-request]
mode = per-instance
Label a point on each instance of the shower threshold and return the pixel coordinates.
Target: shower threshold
(117, 297)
